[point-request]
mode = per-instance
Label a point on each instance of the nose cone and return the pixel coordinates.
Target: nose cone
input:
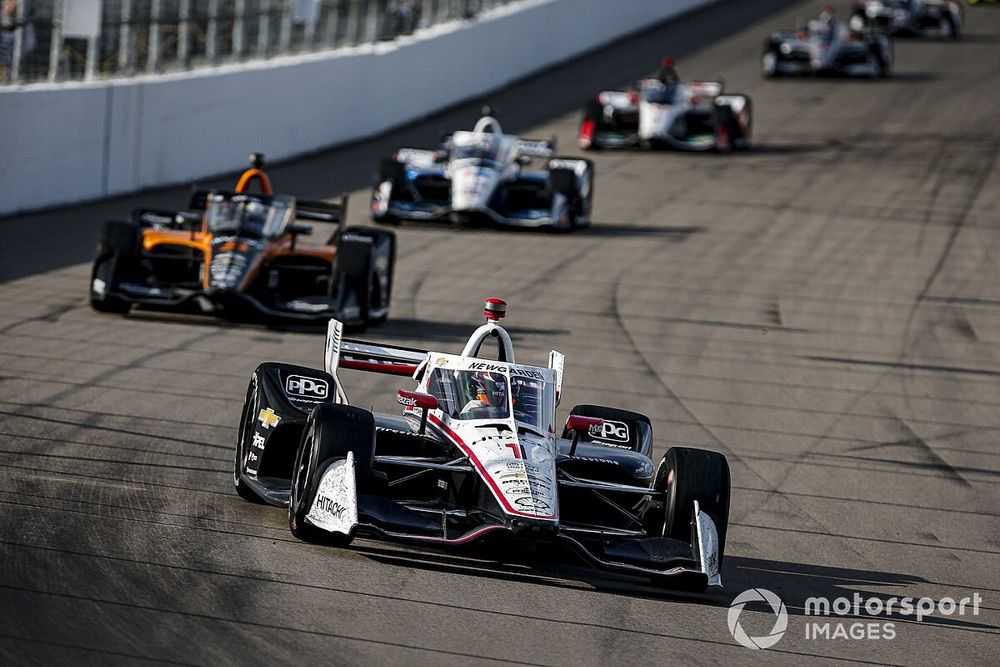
(472, 188)
(229, 268)
(525, 477)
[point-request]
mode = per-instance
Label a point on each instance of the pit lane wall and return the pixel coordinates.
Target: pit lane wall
(71, 142)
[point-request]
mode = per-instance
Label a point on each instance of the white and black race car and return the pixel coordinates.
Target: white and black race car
(828, 47)
(475, 456)
(485, 176)
(683, 115)
(912, 18)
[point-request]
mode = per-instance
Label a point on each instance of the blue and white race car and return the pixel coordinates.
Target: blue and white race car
(485, 176)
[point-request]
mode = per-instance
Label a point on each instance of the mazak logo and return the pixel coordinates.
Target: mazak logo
(780, 621)
(310, 388)
(610, 430)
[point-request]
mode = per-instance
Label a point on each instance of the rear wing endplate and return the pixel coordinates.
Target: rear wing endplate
(372, 357)
(557, 361)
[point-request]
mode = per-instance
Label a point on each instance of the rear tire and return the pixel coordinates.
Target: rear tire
(329, 434)
(563, 182)
(769, 64)
(116, 259)
(361, 262)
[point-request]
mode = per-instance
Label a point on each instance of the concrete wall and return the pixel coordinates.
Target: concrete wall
(70, 142)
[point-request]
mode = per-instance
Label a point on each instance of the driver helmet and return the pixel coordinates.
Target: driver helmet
(487, 388)
(667, 71)
(255, 213)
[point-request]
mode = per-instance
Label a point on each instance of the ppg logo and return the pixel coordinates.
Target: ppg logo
(303, 387)
(611, 430)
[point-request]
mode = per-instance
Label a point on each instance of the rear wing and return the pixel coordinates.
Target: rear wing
(537, 147)
(305, 209)
(372, 357)
(543, 148)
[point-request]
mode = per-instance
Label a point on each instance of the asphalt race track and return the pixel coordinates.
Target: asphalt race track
(824, 310)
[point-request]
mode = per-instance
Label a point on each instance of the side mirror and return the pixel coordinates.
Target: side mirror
(297, 231)
(419, 400)
(578, 424)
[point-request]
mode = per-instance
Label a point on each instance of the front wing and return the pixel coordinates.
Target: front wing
(211, 302)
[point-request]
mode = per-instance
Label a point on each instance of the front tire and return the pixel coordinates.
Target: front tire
(686, 474)
(116, 259)
(246, 432)
(330, 433)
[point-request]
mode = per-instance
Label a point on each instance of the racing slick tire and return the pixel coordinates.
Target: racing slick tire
(687, 474)
(769, 63)
(632, 420)
(564, 182)
(329, 434)
(952, 32)
(390, 174)
(730, 136)
(245, 434)
(589, 125)
(116, 258)
(367, 258)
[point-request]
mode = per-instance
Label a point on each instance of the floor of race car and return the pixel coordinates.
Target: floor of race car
(825, 310)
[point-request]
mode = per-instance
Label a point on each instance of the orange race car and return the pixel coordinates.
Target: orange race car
(239, 254)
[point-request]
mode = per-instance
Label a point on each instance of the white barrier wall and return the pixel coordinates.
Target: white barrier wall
(70, 142)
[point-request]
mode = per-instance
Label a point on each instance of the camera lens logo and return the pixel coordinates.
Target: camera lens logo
(780, 622)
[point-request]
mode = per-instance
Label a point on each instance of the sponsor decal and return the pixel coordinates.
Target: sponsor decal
(330, 506)
(99, 287)
(441, 361)
(532, 503)
(595, 459)
(301, 386)
(357, 238)
(442, 484)
(253, 457)
(611, 430)
(267, 418)
(156, 219)
(407, 401)
(526, 372)
(485, 366)
(258, 440)
(306, 307)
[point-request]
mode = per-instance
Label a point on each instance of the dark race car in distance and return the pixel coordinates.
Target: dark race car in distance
(828, 46)
(241, 255)
(912, 18)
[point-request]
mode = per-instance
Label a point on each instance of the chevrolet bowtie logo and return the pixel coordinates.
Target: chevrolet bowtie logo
(267, 418)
